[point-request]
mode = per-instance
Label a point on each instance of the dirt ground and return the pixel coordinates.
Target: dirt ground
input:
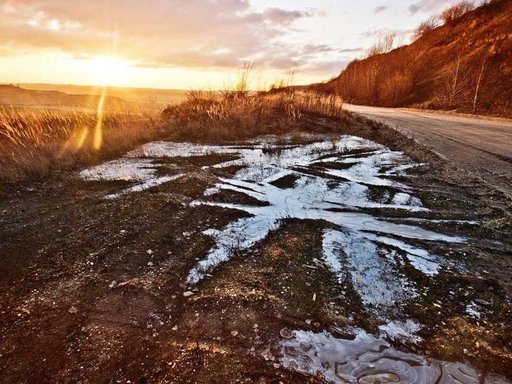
(92, 290)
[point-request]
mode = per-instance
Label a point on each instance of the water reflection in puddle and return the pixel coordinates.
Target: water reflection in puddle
(369, 360)
(349, 183)
(344, 181)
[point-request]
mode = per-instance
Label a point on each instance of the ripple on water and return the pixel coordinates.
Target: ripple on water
(367, 359)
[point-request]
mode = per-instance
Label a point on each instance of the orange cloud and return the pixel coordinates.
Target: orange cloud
(161, 33)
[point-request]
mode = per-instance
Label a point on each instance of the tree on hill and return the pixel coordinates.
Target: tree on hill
(456, 11)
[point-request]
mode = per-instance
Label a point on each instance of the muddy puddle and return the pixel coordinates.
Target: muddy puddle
(376, 239)
(368, 359)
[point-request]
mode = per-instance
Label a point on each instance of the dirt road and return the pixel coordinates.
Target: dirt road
(477, 145)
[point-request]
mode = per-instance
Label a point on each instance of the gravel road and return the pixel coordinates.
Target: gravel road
(480, 146)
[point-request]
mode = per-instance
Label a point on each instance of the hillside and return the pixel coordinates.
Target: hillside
(465, 65)
(11, 95)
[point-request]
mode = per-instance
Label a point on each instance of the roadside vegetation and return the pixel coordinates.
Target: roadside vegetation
(235, 115)
(34, 142)
(458, 60)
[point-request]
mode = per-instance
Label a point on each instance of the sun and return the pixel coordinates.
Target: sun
(108, 70)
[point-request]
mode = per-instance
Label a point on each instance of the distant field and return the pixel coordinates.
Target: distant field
(144, 97)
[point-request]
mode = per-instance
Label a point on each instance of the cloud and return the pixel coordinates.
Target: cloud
(331, 67)
(318, 48)
(380, 9)
(381, 32)
(160, 33)
(429, 6)
(278, 16)
(351, 50)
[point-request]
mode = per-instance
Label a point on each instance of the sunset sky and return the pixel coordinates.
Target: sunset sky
(193, 43)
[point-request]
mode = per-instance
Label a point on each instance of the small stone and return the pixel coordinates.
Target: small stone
(267, 355)
(234, 333)
(150, 264)
(112, 284)
(73, 309)
(482, 302)
(277, 366)
(285, 333)
(175, 328)
(379, 378)
(308, 321)
(188, 293)
(149, 252)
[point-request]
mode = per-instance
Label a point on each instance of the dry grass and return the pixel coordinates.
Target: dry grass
(33, 142)
(235, 115)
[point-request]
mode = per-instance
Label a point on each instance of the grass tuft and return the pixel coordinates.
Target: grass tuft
(235, 115)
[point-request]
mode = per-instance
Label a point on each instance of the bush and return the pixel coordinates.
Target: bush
(426, 26)
(214, 117)
(456, 11)
(385, 44)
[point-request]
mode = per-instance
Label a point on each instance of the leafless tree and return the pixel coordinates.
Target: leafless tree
(479, 82)
(458, 84)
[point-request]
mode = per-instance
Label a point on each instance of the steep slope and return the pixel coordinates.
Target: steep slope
(465, 65)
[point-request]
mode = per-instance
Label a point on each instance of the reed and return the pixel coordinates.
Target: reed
(35, 141)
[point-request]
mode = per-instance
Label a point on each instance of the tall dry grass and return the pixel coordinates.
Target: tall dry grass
(34, 142)
(221, 116)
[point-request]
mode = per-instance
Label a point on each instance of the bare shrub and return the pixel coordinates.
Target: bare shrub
(456, 11)
(241, 88)
(395, 88)
(385, 44)
(426, 26)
